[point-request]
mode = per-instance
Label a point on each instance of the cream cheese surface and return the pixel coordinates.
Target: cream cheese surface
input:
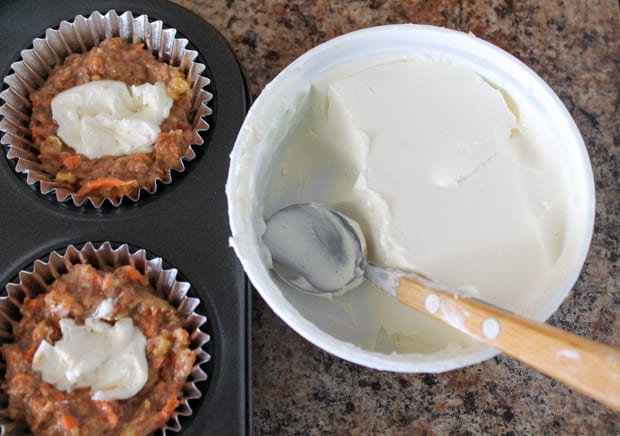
(109, 118)
(447, 186)
(445, 177)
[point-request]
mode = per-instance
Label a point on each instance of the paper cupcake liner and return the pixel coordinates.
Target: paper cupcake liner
(164, 281)
(79, 36)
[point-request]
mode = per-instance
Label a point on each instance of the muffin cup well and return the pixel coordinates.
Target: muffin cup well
(44, 272)
(79, 36)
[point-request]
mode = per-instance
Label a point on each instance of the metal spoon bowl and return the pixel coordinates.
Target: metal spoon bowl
(308, 242)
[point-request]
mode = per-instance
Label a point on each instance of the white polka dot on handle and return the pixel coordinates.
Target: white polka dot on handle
(432, 303)
(490, 328)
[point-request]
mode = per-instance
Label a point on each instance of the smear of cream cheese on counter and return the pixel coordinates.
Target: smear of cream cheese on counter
(109, 359)
(109, 118)
(445, 178)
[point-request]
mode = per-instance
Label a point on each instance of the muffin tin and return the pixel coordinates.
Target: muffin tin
(185, 223)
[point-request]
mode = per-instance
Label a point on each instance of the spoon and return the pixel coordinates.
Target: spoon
(321, 251)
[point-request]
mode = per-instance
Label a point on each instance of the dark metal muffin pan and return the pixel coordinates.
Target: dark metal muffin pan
(185, 223)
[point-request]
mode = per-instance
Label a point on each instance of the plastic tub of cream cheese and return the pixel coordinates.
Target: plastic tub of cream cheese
(457, 160)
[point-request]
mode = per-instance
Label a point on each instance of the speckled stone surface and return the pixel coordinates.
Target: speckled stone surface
(299, 389)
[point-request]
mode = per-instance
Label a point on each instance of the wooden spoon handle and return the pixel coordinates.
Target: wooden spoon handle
(589, 367)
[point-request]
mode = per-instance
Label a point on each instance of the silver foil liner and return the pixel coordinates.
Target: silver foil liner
(79, 36)
(44, 273)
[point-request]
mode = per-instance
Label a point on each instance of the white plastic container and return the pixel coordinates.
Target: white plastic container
(264, 134)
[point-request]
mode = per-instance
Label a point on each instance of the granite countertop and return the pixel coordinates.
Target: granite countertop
(299, 389)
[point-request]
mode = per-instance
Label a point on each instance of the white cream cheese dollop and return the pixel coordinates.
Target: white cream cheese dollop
(445, 176)
(109, 359)
(109, 118)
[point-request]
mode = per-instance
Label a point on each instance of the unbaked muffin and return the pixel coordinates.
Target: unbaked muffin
(81, 160)
(99, 350)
